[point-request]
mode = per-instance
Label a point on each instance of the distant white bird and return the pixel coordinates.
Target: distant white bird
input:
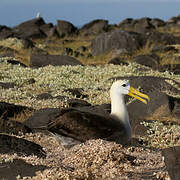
(38, 15)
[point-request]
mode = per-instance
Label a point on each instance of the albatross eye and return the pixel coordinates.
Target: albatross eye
(124, 85)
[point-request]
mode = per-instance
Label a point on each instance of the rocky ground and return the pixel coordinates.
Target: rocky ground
(47, 66)
(95, 159)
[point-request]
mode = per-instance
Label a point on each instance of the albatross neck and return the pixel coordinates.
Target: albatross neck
(119, 110)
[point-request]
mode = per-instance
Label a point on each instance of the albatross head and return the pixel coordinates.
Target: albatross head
(118, 107)
(122, 87)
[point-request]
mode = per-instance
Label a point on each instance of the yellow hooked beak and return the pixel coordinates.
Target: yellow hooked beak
(136, 94)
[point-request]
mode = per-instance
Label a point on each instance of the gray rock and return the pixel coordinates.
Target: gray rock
(147, 60)
(5, 32)
(156, 22)
(30, 29)
(172, 159)
(65, 28)
(141, 25)
(95, 27)
(117, 61)
(9, 110)
(41, 60)
(116, 39)
(157, 38)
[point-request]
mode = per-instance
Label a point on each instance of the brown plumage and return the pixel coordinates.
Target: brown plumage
(86, 123)
(82, 125)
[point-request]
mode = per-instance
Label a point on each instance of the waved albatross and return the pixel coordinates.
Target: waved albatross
(81, 125)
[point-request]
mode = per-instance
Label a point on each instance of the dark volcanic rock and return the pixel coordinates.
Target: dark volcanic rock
(126, 23)
(31, 81)
(7, 85)
(82, 49)
(12, 144)
(9, 110)
(19, 166)
(78, 92)
(65, 28)
(44, 96)
(117, 61)
(172, 159)
(164, 49)
(46, 28)
(42, 60)
(147, 60)
(30, 29)
(14, 62)
(53, 33)
(95, 27)
(116, 39)
(27, 43)
(158, 38)
(156, 22)
(5, 32)
(68, 51)
(13, 127)
(141, 25)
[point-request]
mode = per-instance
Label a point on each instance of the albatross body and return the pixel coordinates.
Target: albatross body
(83, 125)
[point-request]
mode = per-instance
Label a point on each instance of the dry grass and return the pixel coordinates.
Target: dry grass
(146, 49)
(174, 30)
(13, 43)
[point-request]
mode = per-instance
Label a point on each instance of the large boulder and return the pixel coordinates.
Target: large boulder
(156, 22)
(41, 60)
(46, 28)
(13, 127)
(126, 24)
(65, 28)
(19, 146)
(5, 32)
(9, 110)
(174, 20)
(149, 60)
(30, 29)
(172, 159)
(158, 38)
(95, 27)
(116, 39)
(141, 25)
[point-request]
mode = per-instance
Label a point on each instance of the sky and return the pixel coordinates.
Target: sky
(80, 12)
